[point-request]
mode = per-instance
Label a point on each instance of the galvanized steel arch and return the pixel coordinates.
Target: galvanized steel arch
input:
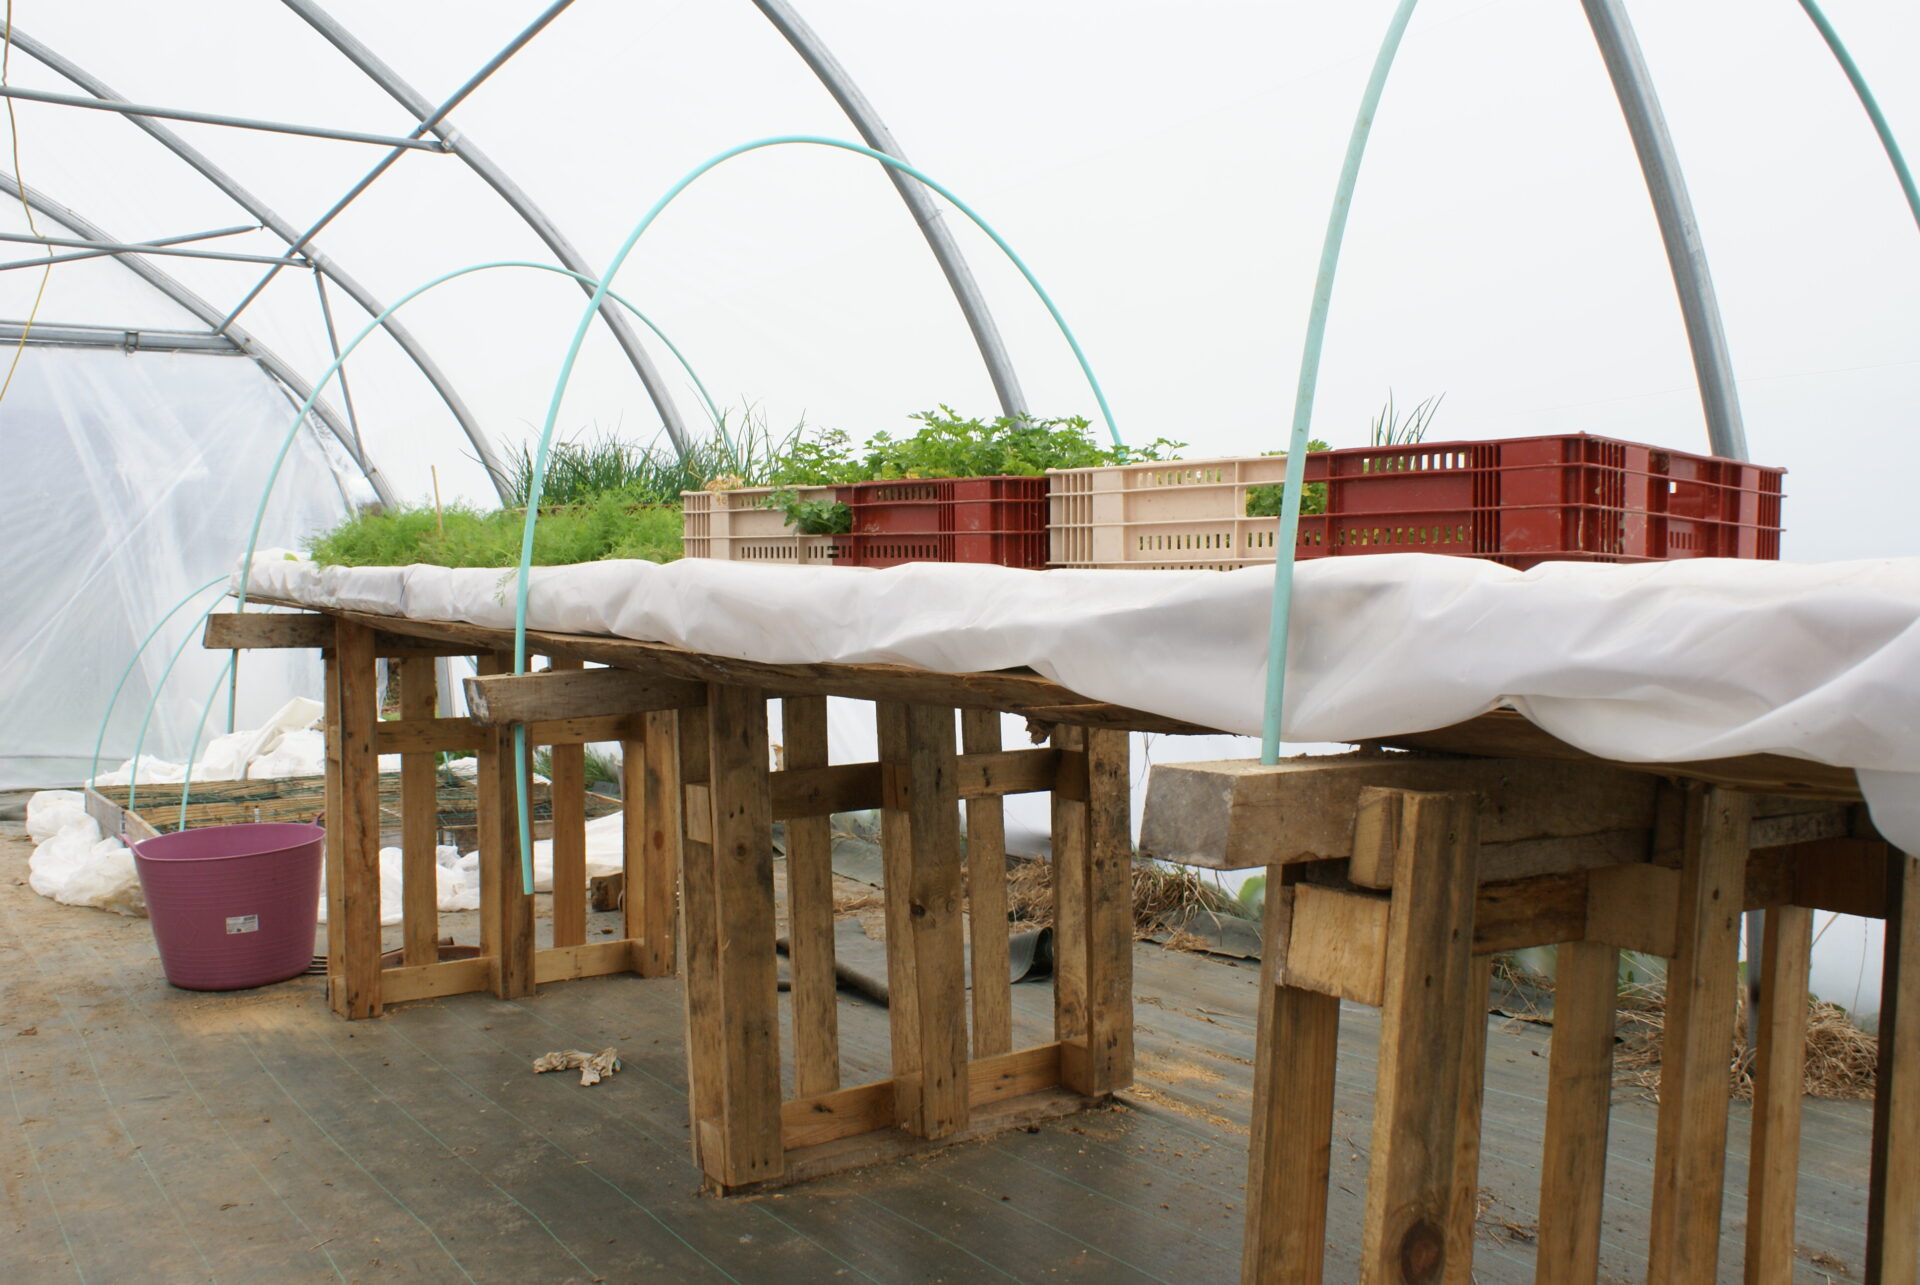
(460, 145)
(269, 361)
(260, 210)
(1006, 385)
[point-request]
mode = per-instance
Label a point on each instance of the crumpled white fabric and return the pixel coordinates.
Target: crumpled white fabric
(606, 854)
(283, 746)
(73, 863)
(1697, 659)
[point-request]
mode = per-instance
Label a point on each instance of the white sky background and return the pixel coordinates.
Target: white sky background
(1165, 169)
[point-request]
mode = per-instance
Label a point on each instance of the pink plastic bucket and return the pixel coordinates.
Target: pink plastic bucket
(233, 906)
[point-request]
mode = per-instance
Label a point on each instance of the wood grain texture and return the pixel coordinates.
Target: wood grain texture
(987, 895)
(1893, 1191)
(815, 989)
(654, 855)
(570, 690)
(1424, 1022)
(744, 920)
(1773, 1168)
(335, 811)
(1573, 1170)
(933, 914)
(1290, 1152)
(506, 910)
(1470, 1097)
(568, 777)
(700, 946)
(1697, 1044)
(359, 821)
(419, 801)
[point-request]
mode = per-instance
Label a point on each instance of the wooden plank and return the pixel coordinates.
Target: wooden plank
(1016, 691)
(1070, 857)
(1470, 1095)
(335, 813)
(1573, 1170)
(1109, 918)
(815, 989)
(1697, 1044)
(506, 910)
(652, 856)
(1289, 1158)
(896, 858)
(933, 894)
(1503, 733)
(1530, 912)
(1423, 1025)
(1638, 908)
(1376, 836)
(419, 822)
(248, 630)
(1338, 944)
(857, 787)
(575, 693)
(1844, 875)
(744, 918)
(867, 1108)
(701, 943)
(431, 981)
(594, 959)
(359, 821)
(1893, 1187)
(425, 734)
(1012, 1075)
(568, 775)
(1238, 814)
(840, 1113)
(1773, 1168)
(987, 893)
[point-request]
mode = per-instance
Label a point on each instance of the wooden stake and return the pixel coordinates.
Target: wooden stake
(1779, 1070)
(1893, 1192)
(1289, 1159)
(653, 864)
(567, 771)
(987, 898)
(700, 940)
(744, 914)
(419, 822)
(1410, 1182)
(816, 1025)
(357, 894)
(1573, 1172)
(1470, 1095)
(506, 911)
(1689, 1165)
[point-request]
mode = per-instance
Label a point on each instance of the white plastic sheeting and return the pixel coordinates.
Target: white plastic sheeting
(1661, 662)
(130, 479)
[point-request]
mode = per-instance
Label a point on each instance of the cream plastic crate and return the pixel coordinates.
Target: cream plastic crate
(1185, 515)
(733, 526)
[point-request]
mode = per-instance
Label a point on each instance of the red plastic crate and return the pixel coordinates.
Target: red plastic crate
(1527, 500)
(997, 520)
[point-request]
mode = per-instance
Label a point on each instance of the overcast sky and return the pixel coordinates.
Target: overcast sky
(1164, 168)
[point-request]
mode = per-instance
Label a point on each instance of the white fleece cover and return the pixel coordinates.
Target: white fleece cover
(1657, 662)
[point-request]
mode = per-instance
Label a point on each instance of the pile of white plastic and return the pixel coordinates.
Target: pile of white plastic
(76, 864)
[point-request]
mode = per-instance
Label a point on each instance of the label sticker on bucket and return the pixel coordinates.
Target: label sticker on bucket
(243, 924)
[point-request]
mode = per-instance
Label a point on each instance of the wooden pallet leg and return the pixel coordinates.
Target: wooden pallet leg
(1093, 916)
(1429, 1003)
(1773, 1167)
(419, 822)
(354, 885)
(926, 950)
(1893, 1192)
(654, 830)
(1573, 1172)
(742, 845)
(700, 947)
(1465, 1209)
(987, 898)
(506, 909)
(568, 777)
(1289, 1159)
(1690, 1149)
(816, 1017)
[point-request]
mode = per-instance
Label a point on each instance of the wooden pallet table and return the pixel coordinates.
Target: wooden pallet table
(701, 799)
(1392, 881)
